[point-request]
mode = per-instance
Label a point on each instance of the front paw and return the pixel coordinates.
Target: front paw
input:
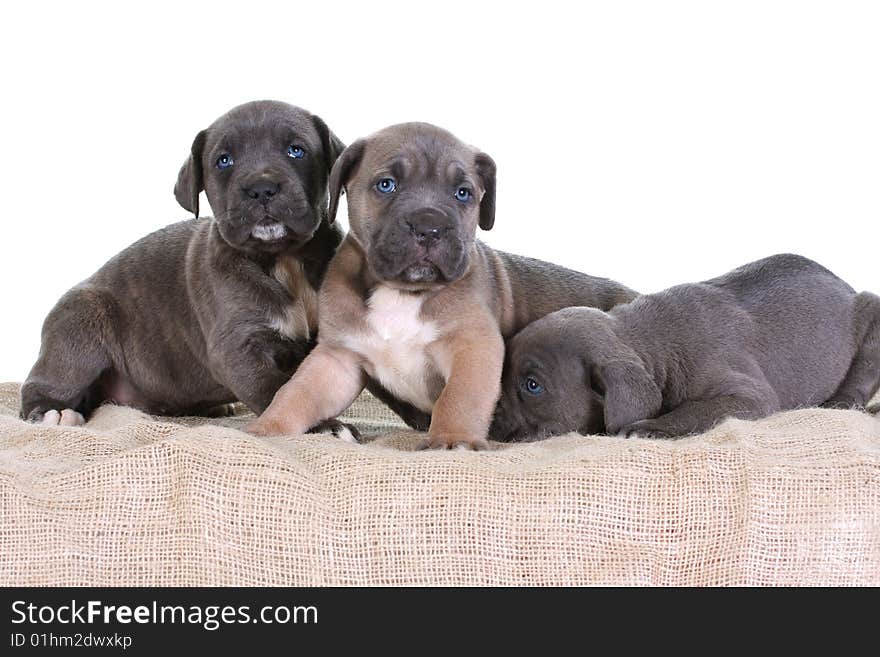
(341, 430)
(223, 410)
(454, 441)
(66, 417)
(841, 404)
(644, 429)
(264, 428)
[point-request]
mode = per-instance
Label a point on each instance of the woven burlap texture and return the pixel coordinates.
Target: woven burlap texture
(134, 500)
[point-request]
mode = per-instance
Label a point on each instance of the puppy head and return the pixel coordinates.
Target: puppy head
(264, 167)
(570, 372)
(416, 195)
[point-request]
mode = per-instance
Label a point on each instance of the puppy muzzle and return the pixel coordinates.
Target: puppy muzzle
(423, 247)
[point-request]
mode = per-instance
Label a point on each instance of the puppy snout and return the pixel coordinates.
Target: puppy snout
(426, 234)
(262, 190)
(429, 227)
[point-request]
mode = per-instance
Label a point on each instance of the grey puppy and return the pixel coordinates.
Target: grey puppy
(203, 312)
(776, 334)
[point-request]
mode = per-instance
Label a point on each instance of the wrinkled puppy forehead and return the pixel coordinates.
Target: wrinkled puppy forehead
(263, 120)
(565, 332)
(536, 351)
(410, 150)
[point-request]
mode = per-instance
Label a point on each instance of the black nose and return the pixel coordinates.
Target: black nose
(428, 228)
(262, 190)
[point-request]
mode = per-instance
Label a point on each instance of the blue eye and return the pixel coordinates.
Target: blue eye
(463, 194)
(225, 161)
(532, 387)
(386, 185)
(296, 152)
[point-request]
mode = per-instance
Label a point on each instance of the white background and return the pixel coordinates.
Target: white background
(651, 142)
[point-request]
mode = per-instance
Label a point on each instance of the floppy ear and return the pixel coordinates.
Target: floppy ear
(342, 172)
(331, 144)
(629, 394)
(486, 171)
(190, 181)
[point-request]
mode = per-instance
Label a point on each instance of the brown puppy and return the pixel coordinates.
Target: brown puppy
(411, 300)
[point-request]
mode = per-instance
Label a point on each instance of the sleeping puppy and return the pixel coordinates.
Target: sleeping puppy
(413, 305)
(780, 333)
(203, 312)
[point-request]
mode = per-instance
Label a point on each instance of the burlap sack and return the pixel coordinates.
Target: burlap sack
(135, 500)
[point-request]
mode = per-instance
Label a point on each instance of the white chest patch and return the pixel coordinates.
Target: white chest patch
(394, 346)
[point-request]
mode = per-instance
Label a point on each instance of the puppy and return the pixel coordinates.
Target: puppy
(412, 304)
(203, 312)
(780, 333)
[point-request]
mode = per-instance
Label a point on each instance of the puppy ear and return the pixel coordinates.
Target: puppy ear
(190, 181)
(341, 174)
(331, 144)
(486, 170)
(629, 393)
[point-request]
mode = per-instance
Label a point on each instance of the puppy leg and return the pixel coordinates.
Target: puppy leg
(326, 383)
(463, 412)
(61, 387)
(863, 378)
(253, 364)
(258, 367)
(698, 416)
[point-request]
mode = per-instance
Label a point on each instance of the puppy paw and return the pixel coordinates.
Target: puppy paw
(644, 429)
(343, 431)
(223, 410)
(459, 443)
(841, 404)
(64, 418)
(264, 428)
